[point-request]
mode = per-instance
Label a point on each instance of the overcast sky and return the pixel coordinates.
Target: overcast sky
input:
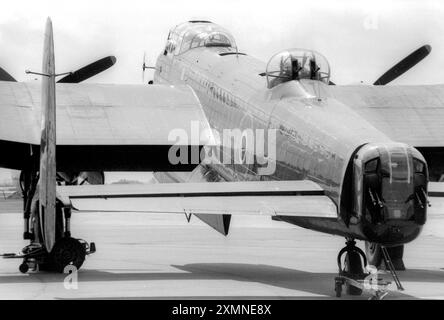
(361, 39)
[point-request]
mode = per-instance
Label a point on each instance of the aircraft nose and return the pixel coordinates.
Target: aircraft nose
(398, 180)
(393, 233)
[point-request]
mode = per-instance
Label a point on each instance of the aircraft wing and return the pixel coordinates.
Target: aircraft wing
(409, 114)
(272, 198)
(98, 124)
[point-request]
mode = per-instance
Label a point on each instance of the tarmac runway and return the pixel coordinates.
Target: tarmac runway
(146, 256)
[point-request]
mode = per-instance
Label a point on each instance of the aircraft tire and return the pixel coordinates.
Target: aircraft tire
(67, 251)
(24, 267)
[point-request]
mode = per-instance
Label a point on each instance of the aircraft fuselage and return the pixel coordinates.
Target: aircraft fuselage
(317, 137)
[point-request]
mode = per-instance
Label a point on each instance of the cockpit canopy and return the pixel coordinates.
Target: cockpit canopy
(296, 64)
(195, 34)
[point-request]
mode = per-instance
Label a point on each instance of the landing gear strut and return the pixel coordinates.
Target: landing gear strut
(352, 268)
(28, 185)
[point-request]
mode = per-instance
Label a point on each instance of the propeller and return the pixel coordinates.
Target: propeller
(4, 76)
(89, 71)
(401, 67)
(404, 65)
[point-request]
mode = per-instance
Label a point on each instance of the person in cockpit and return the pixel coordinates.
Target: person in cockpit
(309, 70)
(314, 74)
(295, 68)
(288, 70)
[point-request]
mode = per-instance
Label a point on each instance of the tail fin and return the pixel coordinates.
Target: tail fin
(47, 183)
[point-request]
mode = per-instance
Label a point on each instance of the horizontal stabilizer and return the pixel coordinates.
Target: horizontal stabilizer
(292, 198)
(436, 189)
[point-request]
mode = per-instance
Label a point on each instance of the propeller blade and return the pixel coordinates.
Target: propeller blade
(4, 76)
(89, 70)
(404, 65)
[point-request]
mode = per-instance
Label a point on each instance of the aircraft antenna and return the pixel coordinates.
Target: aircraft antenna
(144, 67)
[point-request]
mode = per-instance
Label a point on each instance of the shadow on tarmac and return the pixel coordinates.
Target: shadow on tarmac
(314, 283)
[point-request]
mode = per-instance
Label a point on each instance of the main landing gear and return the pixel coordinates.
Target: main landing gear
(66, 250)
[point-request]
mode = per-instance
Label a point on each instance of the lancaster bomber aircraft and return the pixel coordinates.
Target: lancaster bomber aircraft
(354, 161)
